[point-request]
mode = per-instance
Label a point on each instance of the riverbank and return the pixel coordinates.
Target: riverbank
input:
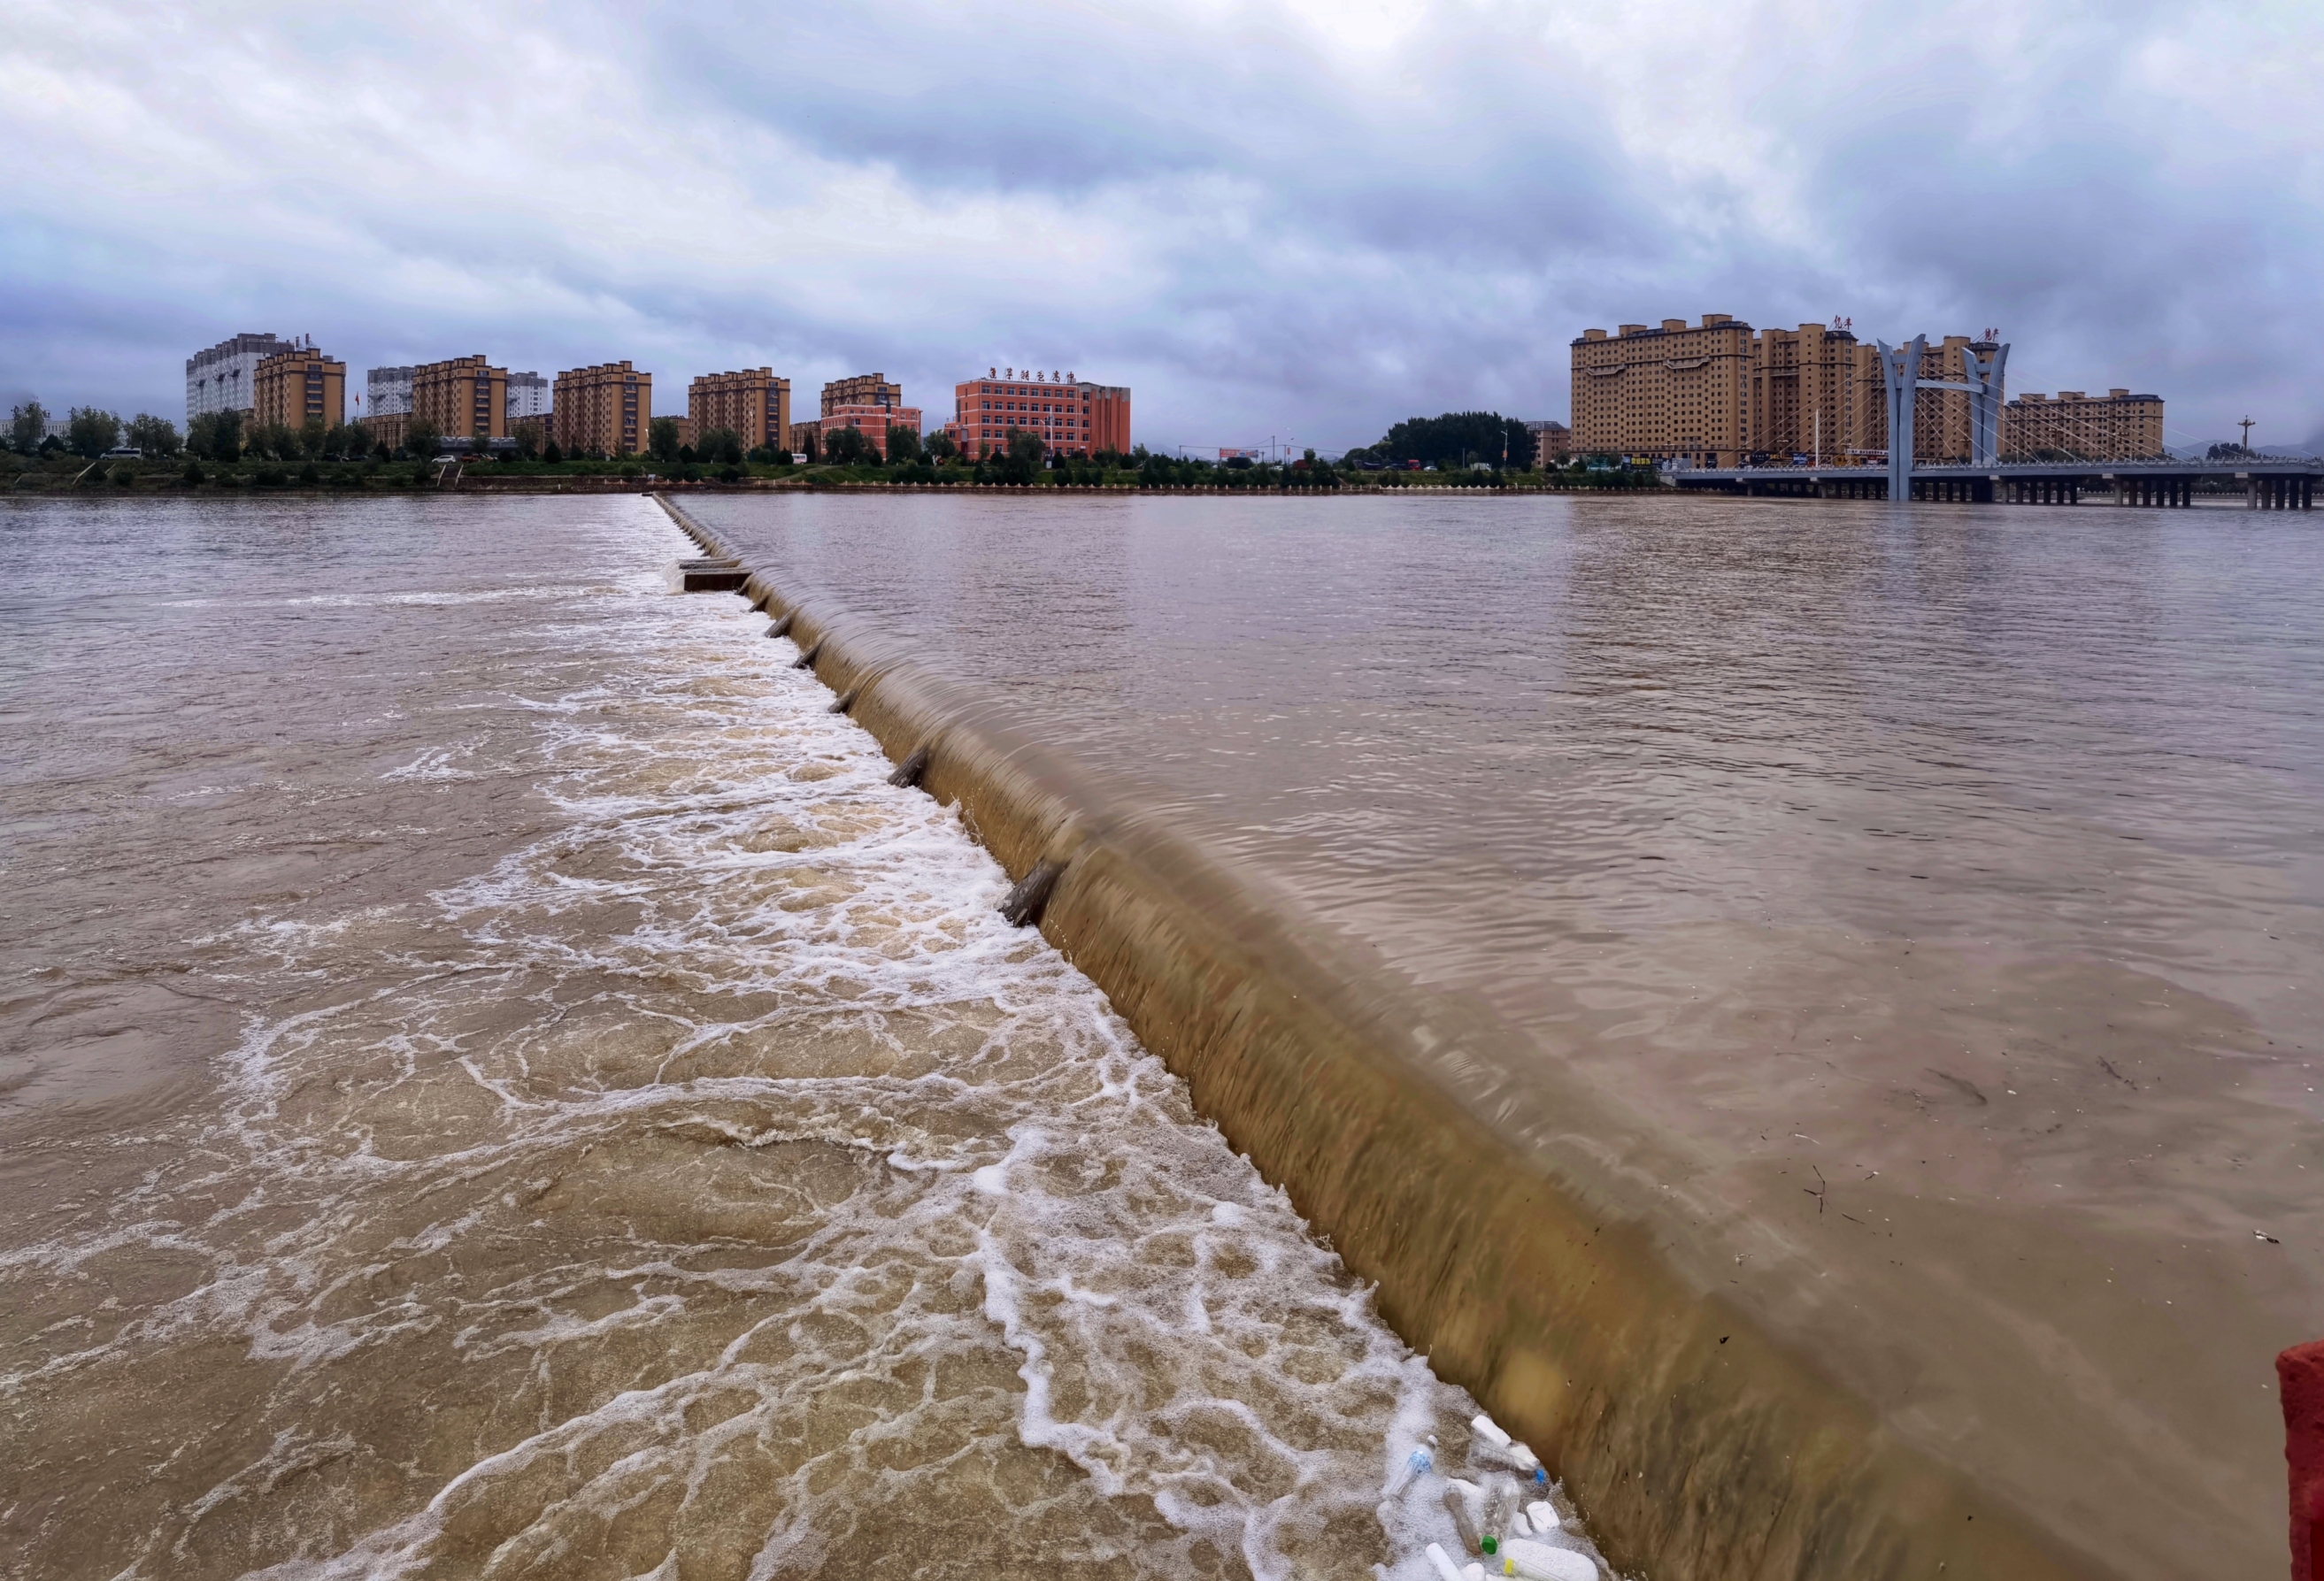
(1562, 1293)
(183, 477)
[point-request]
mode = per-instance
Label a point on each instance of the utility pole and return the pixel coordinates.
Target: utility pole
(2246, 426)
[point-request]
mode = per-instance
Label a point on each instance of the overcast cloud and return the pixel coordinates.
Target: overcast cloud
(1299, 220)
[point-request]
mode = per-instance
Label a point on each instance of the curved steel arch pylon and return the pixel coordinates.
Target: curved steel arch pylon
(1900, 379)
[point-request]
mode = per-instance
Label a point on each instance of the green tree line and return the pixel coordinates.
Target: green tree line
(1454, 439)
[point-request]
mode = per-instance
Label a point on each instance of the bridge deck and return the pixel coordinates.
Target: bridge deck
(2268, 483)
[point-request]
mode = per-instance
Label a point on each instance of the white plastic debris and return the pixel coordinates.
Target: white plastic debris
(1542, 1516)
(1537, 1561)
(1445, 1568)
(1495, 1440)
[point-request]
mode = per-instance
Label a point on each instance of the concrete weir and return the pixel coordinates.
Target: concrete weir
(1533, 1272)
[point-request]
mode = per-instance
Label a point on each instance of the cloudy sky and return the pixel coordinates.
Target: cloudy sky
(1301, 219)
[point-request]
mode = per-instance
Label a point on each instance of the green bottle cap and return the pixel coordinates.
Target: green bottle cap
(1491, 1544)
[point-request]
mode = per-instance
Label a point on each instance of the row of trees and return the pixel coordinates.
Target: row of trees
(213, 436)
(1456, 439)
(89, 431)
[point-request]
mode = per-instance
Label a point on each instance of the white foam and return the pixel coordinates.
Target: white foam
(739, 951)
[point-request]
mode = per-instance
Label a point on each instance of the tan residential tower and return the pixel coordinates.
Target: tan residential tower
(463, 397)
(606, 410)
(752, 403)
(298, 386)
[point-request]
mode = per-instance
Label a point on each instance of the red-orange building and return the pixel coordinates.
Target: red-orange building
(872, 421)
(1071, 415)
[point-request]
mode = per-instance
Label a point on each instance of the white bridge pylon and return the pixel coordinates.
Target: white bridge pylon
(1900, 371)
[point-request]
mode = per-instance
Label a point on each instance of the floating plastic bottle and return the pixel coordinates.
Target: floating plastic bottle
(1495, 1439)
(1457, 1495)
(1417, 1465)
(1500, 1508)
(1537, 1561)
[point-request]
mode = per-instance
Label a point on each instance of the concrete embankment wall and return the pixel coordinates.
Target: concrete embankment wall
(1699, 1448)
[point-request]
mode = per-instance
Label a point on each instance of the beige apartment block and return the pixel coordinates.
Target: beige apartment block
(1553, 442)
(2070, 426)
(1806, 394)
(860, 390)
(752, 403)
(388, 428)
(297, 387)
(1675, 392)
(465, 396)
(603, 410)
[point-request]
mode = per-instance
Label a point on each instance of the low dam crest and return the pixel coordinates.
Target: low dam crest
(1539, 1260)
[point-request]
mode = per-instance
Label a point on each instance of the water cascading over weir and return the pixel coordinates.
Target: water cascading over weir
(1700, 1447)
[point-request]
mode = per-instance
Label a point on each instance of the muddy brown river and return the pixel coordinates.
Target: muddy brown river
(495, 1082)
(1931, 895)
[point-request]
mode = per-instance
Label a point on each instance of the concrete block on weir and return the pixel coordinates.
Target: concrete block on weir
(912, 769)
(695, 576)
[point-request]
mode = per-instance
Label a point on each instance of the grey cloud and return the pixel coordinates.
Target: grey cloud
(1259, 229)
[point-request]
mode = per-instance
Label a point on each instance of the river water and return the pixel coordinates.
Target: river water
(1942, 882)
(494, 1082)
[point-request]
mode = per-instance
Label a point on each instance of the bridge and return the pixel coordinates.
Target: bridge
(2266, 482)
(2270, 482)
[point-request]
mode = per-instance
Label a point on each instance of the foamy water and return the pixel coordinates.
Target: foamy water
(708, 1183)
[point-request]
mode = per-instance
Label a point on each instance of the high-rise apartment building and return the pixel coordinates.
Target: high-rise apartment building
(387, 391)
(752, 403)
(1071, 415)
(606, 410)
(528, 397)
(861, 390)
(297, 386)
(463, 397)
(2070, 426)
(1721, 394)
(221, 378)
(1671, 392)
(1806, 394)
